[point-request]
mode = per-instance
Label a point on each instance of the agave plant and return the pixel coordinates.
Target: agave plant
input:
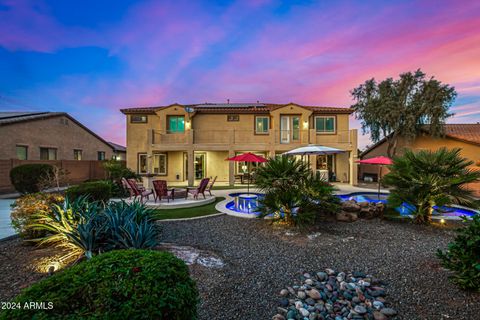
(431, 178)
(74, 226)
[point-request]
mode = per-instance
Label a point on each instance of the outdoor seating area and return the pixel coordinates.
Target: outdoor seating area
(161, 196)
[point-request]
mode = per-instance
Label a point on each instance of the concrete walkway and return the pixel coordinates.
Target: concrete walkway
(6, 229)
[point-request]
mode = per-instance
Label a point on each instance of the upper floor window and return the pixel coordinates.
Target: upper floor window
(138, 118)
(325, 124)
(142, 163)
(175, 124)
(101, 155)
(160, 163)
(77, 154)
(262, 124)
(22, 152)
(48, 154)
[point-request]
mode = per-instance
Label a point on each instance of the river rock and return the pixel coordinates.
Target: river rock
(388, 311)
(278, 317)
(377, 315)
(284, 292)
(360, 309)
(314, 294)
(344, 216)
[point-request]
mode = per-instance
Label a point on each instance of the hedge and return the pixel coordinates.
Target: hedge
(26, 178)
(96, 190)
(122, 284)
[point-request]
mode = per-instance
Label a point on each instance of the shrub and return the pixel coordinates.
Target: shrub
(430, 178)
(124, 284)
(293, 194)
(463, 255)
(116, 171)
(88, 228)
(96, 190)
(26, 178)
(26, 207)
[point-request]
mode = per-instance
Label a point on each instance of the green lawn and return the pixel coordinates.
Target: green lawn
(181, 213)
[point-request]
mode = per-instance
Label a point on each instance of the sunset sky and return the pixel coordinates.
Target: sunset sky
(91, 58)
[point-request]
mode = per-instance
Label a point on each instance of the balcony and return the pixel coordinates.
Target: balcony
(250, 137)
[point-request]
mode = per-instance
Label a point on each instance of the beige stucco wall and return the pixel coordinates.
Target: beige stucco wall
(423, 142)
(219, 138)
(51, 133)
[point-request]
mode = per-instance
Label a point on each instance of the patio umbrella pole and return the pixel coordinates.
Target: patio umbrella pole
(248, 179)
(379, 179)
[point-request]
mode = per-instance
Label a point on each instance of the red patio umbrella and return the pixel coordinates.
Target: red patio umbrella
(247, 157)
(380, 161)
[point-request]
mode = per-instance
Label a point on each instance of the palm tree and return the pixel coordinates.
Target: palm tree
(431, 178)
(291, 189)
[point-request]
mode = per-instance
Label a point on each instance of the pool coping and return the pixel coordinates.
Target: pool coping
(222, 207)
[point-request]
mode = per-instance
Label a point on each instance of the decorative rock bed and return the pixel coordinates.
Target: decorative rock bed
(352, 210)
(330, 295)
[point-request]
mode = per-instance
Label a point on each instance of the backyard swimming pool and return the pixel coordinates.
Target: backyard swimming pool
(247, 205)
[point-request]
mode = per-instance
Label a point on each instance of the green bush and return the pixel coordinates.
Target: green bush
(89, 228)
(26, 178)
(116, 171)
(463, 255)
(124, 284)
(25, 208)
(96, 190)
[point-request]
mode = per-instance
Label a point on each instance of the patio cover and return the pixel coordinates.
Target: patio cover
(312, 149)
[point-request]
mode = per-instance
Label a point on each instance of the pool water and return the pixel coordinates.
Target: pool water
(404, 209)
(5, 222)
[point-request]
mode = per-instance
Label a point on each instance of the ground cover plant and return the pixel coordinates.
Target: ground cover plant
(181, 213)
(426, 179)
(123, 284)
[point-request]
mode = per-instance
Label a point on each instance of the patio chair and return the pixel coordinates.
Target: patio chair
(210, 185)
(127, 188)
(195, 191)
(161, 190)
(138, 191)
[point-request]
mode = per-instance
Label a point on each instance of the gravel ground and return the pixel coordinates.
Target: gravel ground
(18, 266)
(261, 260)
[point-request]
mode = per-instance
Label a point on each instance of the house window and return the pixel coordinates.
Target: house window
(160, 163)
(142, 163)
(77, 154)
(138, 119)
(261, 125)
(22, 152)
(325, 124)
(101, 155)
(175, 124)
(48, 154)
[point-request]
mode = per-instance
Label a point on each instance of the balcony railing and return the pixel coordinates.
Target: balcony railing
(231, 136)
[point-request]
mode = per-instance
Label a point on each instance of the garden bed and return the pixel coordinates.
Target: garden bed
(261, 260)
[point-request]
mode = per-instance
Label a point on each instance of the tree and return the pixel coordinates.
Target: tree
(293, 193)
(430, 178)
(400, 108)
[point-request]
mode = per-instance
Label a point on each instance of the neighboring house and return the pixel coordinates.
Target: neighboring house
(182, 143)
(465, 136)
(119, 152)
(49, 136)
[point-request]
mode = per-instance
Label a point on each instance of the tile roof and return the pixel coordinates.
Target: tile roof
(468, 132)
(238, 108)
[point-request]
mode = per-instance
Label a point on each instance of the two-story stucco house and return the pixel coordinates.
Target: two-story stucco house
(184, 143)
